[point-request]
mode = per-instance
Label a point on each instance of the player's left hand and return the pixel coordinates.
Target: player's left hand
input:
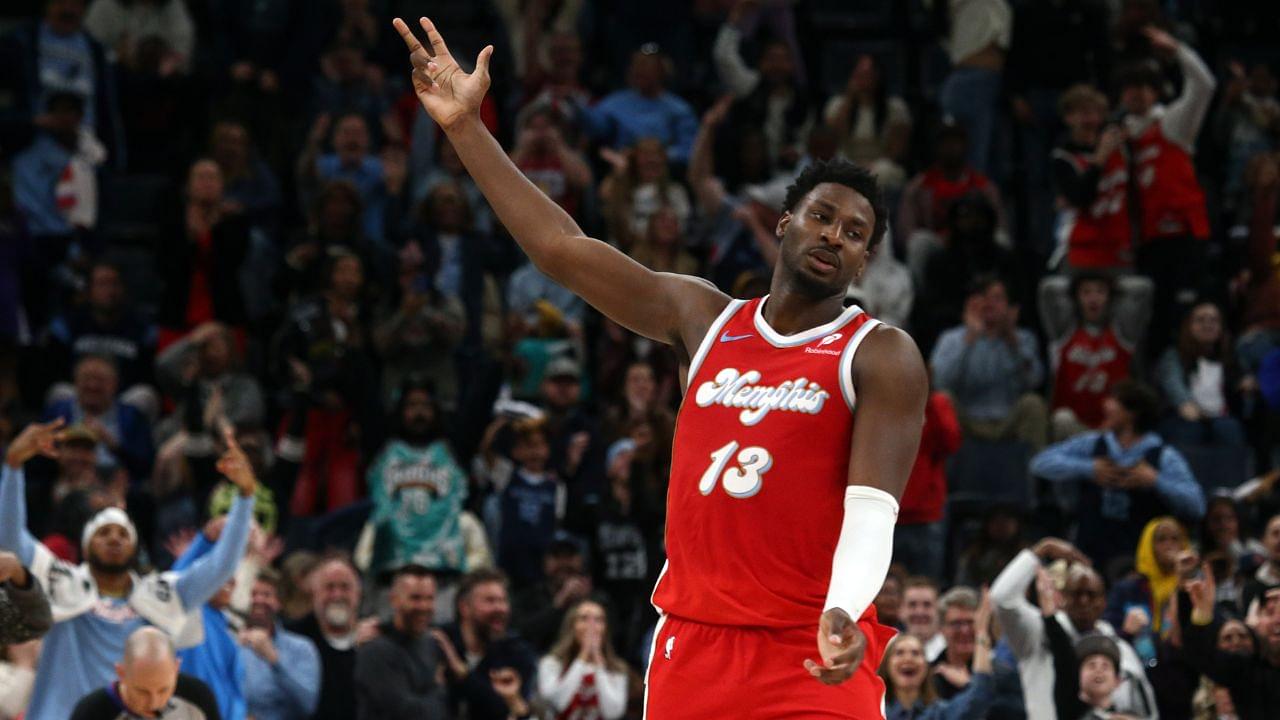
(841, 645)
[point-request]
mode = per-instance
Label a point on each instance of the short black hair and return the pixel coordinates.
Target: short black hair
(985, 281)
(1140, 400)
(1139, 72)
(481, 576)
(563, 548)
(842, 172)
(412, 570)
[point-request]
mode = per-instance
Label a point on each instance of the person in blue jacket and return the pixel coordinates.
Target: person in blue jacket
(99, 603)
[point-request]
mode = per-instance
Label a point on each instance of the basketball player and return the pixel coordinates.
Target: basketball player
(782, 497)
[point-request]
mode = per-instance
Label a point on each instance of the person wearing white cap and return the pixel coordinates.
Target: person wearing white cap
(100, 602)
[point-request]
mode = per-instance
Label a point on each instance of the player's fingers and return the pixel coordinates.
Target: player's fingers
(482, 61)
(433, 36)
(407, 35)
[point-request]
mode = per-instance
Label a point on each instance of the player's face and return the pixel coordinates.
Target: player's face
(907, 666)
(825, 240)
(110, 548)
(920, 611)
(1098, 676)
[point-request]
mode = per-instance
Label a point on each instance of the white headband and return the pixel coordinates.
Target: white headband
(108, 516)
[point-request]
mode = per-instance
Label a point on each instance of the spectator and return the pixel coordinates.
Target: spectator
(201, 260)
(216, 661)
(768, 97)
(528, 503)
(972, 253)
(324, 345)
(921, 617)
(646, 109)
(1233, 637)
(991, 367)
(1260, 324)
(1078, 607)
(398, 674)
(24, 610)
(249, 184)
(149, 685)
(101, 602)
(55, 190)
(74, 492)
(333, 229)
(1086, 674)
(874, 127)
(888, 601)
(538, 612)
(349, 85)
(1251, 678)
(553, 77)
(1127, 476)
(1078, 165)
(582, 676)
(206, 363)
(544, 156)
(282, 668)
(1165, 217)
(124, 27)
(662, 246)
(952, 671)
(1200, 378)
(17, 677)
(1267, 576)
(638, 186)
(997, 542)
(1140, 605)
(379, 182)
(977, 40)
(926, 201)
(1245, 124)
(123, 433)
(1094, 325)
(333, 628)
(624, 546)
(108, 324)
(418, 492)
(920, 530)
(641, 399)
(909, 688)
(52, 56)
(1222, 535)
(422, 333)
(490, 671)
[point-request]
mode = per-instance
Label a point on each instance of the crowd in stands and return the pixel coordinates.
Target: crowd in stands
(294, 430)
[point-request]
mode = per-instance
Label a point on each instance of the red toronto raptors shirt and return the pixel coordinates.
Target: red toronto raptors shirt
(759, 470)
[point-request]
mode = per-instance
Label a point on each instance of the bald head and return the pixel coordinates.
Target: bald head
(148, 672)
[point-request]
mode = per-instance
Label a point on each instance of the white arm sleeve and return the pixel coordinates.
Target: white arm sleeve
(864, 551)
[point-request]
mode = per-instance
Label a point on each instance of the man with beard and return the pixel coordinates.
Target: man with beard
(482, 659)
(99, 603)
(418, 491)
(399, 674)
(1083, 601)
(1252, 678)
(332, 626)
(282, 669)
(769, 480)
(539, 609)
(148, 686)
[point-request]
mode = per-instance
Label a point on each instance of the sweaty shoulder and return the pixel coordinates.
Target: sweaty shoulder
(889, 359)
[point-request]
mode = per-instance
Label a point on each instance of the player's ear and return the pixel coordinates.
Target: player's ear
(783, 222)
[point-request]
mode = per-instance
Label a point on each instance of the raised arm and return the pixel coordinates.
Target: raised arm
(665, 307)
(35, 439)
(201, 580)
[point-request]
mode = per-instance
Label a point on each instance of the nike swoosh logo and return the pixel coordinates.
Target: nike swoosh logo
(730, 338)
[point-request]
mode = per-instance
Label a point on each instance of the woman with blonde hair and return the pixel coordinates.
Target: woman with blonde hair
(582, 677)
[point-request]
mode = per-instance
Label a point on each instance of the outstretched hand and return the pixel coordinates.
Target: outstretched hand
(448, 94)
(35, 439)
(235, 465)
(841, 644)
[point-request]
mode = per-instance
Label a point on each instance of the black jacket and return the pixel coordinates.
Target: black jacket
(399, 676)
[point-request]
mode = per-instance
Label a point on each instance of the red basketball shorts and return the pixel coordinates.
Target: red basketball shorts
(701, 672)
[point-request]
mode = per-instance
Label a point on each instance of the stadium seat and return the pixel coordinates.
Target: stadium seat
(1217, 466)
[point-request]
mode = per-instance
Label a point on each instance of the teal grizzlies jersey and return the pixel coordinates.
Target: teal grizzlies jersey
(418, 494)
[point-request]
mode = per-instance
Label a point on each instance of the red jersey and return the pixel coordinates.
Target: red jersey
(759, 470)
(1086, 367)
(1098, 237)
(926, 492)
